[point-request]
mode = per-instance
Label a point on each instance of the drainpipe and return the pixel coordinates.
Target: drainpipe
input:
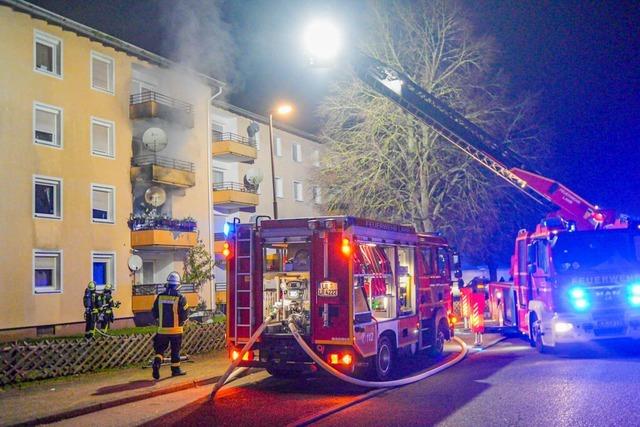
(209, 195)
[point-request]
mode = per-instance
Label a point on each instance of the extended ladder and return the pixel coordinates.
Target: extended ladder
(243, 295)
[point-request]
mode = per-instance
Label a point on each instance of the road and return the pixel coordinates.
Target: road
(508, 384)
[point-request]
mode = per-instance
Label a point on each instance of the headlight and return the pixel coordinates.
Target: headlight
(562, 327)
(579, 299)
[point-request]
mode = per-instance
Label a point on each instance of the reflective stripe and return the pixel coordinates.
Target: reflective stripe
(175, 365)
(170, 331)
(159, 356)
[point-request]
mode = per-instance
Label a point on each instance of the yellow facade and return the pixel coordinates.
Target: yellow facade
(74, 234)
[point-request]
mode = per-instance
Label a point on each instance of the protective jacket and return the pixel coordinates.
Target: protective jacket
(170, 308)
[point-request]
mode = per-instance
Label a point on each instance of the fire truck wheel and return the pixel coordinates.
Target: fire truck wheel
(383, 361)
(537, 331)
(439, 337)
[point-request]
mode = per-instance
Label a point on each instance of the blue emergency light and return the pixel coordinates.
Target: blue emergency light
(634, 294)
(226, 228)
(578, 298)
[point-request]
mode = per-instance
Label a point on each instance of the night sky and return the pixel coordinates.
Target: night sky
(581, 57)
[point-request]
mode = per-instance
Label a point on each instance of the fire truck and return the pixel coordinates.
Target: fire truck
(362, 292)
(576, 277)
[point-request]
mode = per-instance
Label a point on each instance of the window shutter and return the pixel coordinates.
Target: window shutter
(100, 74)
(100, 204)
(101, 139)
(46, 125)
(45, 262)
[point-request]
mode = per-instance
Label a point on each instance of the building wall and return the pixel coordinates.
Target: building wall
(75, 234)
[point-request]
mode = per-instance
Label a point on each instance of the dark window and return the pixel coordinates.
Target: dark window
(443, 262)
(522, 256)
(45, 199)
(100, 272)
(43, 278)
(427, 263)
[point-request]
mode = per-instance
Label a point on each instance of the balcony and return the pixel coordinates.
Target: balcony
(162, 233)
(149, 104)
(229, 147)
(163, 170)
(143, 296)
(218, 244)
(232, 197)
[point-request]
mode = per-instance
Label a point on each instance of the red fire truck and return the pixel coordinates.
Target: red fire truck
(577, 275)
(364, 290)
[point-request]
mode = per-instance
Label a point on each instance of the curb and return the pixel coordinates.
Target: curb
(72, 413)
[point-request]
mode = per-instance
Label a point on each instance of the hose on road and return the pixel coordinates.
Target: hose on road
(374, 384)
(230, 374)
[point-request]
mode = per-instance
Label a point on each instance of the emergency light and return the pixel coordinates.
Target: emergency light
(634, 294)
(578, 299)
(225, 250)
(346, 247)
(226, 229)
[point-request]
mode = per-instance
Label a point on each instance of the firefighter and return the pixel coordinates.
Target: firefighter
(170, 309)
(90, 309)
(107, 306)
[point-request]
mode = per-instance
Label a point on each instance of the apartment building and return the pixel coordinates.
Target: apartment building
(242, 176)
(105, 162)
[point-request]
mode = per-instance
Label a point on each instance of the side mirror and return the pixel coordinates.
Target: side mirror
(457, 268)
(531, 268)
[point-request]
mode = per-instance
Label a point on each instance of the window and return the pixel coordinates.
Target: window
(47, 125)
(427, 263)
(103, 265)
(102, 75)
(257, 139)
(102, 203)
(47, 271)
(47, 54)
(542, 255)
(406, 281)
(278, 148)
(317, 195)
(138, 87)
(297, 152)
(316, 158)
(218, 176)
(102, 138)
(279, 187)
(148, 269)
(297, 191)
(443, 263)
(47, 197)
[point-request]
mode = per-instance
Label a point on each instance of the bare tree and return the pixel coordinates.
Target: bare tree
(382, 163)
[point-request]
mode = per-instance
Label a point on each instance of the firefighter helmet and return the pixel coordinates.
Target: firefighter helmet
(108, 287)
(173, 280)
(91, 285)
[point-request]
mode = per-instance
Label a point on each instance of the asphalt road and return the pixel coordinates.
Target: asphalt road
(508, 384)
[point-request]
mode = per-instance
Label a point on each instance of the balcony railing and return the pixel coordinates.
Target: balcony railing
(158, 288)
(229, 136)
(167, 162)
(160, 223)
(149, 96)
(235, 186)
(219, 237)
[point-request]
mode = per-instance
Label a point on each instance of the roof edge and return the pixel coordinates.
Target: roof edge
(98, 36)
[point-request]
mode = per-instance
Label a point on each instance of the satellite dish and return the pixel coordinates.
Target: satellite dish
(134, 262)
(155, 196)
(154, 139)
(252, 179)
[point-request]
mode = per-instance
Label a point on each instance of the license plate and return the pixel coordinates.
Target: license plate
(610, 324)
(328, 288)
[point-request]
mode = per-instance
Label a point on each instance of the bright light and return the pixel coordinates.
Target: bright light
(635, 289)
(346, 247)
(322, 41)
(562, 327)
(581, 304)
(347, 359)
(577, 293)
(226, 228)
(498, 295)
(284, 109)
(634, 294)
(333, 358)
(225, 250)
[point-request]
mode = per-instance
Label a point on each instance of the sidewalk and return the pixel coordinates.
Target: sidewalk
(46, 400)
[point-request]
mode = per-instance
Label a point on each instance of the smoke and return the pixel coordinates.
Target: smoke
(197, 36)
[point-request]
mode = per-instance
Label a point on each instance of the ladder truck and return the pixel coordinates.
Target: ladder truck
(576, 277)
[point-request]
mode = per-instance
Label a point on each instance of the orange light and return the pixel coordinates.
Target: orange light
(453, 320)
(347, 359)
(346, 247)
(334, 359)
(246, 357)
(225, 250)
(598, 216)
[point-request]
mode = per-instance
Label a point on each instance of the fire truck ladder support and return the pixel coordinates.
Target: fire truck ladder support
(355, 381)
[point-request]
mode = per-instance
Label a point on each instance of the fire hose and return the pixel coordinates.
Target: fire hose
(330, 369)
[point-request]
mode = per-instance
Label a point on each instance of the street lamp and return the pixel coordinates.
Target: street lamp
(282, 110)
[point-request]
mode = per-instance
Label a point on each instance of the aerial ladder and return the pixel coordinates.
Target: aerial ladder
(474, 141)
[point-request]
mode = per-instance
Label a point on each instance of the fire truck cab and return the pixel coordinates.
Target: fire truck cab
(362, 291)
(572, 286)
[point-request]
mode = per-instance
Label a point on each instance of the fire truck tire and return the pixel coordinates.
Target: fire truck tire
(439, 337)
(536, 331)
(384, 359)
